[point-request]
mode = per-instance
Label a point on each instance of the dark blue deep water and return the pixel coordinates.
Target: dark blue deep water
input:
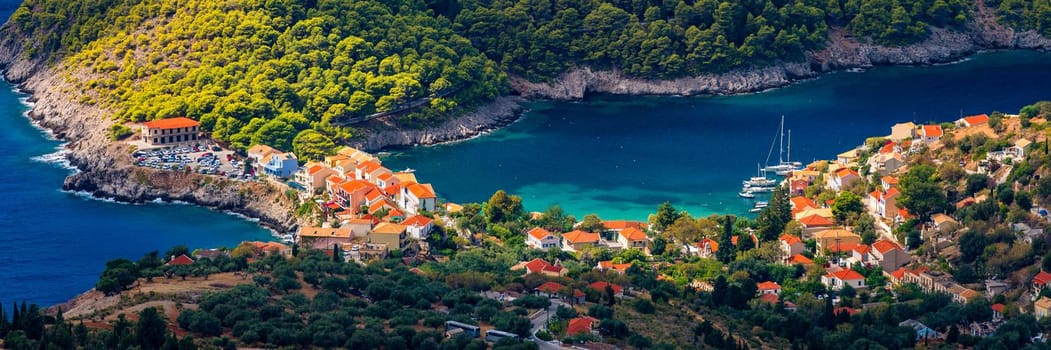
(54, 244)
(620, 157)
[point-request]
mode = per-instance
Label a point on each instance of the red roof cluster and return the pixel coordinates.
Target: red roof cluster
(539, 265)
(580, 325)
(1042, 278)
(182, 259)
(601, 287)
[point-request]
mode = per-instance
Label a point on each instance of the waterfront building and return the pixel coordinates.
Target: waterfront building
(169, 131)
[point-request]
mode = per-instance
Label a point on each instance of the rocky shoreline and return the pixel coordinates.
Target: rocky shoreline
(106, 171)
(843, 52)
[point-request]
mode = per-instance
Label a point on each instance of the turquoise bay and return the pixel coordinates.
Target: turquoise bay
(621, 156)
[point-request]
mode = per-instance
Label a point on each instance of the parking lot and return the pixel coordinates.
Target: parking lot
(202, 159)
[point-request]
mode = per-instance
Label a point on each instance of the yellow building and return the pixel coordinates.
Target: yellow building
(388, 233)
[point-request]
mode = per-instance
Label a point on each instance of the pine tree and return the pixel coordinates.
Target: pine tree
(726, 251)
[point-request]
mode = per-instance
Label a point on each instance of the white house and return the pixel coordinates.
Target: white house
(931, 133)
(539, 238)
(974, 120)
(417, 197)
(768, 287)
(839, 279)
(419, 226)
(791, 245)
(632, 238)
(843, 178)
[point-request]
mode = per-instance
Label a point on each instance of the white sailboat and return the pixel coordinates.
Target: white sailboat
(760, 180)
(784, 166)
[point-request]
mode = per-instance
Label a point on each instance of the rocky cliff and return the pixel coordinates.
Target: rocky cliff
(493, 115)
(105, 167)
(842, 52)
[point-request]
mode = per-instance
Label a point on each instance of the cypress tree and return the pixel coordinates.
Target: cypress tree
(3, 322)
(16, 320)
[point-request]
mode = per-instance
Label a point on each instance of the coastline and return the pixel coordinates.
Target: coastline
(103, 170)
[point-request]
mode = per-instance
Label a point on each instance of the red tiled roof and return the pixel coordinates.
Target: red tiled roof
(800, 259)
(769, 298)
(890, 180)
(893, 191)
(539, 233)
(884, 246)
(578, 236)
(1042, 278)
(421, 191)
(844, 172)
(633, 234)
(621, 224)
(314, 169)
(418, 220)
(768, 285)
(816, 221)
(861, 249)
(711, 244)
(848, 310)
(846, 275)
(999, 307)
(888, 147)
(171, 123)
(580, 325)
(932, 130)
(977, 119)
(182, 259)
(802, 202)
(601, 287)
(539, 265)
(550, 287)
(790, 239)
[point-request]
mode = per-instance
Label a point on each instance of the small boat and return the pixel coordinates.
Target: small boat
(761, 204)
(288, 239)
(755, 210)
(746, 195)
(409, 170)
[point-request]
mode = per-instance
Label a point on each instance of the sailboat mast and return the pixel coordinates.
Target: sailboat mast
(781, 151)
(789, 159)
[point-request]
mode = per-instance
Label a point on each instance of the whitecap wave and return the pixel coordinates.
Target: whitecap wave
(59, 158)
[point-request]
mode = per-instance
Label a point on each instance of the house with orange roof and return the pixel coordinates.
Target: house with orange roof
(888, 181)
(1040, 281)
(313, 175)
(1042, 308)
(799, 259)
(311, 232)
(858, 253)
(345, 167)
(384, 204)
(608, 265)
(418, 226)
(385, 180)
(355, 154)
(540, 238)
(843, 178)
(848, 156)
(394, 215)
(768, 287)
(391, 234)
(801, 203)
(619, 225)
(791, 245)
(815, 223)
(707, 247)
(549, 289)
(169, 131)
(541, 266)
(364, 170)
(889, 255)
(931, 133)
(351, 194)
(271, 248)
(577, 240)
(887, 204)
(600, 286)
(633, 238)
(582, 325)
(260, 154)
(974, 120)
(846, 277)
(417, 197)
(180, 260)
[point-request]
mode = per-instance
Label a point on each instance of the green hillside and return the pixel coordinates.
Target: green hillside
(277, 72)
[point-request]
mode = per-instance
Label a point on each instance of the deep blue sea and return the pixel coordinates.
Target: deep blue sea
(53, 244)
(620, 157)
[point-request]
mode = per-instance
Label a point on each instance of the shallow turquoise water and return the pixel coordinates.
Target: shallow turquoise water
(621, 156)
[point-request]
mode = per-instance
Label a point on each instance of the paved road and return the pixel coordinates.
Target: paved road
(540, 319)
